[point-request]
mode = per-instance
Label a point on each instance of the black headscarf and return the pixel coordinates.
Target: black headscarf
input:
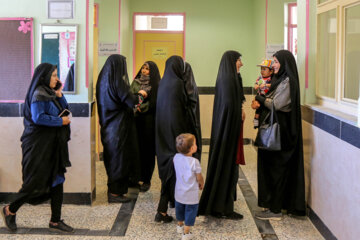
(39, 89)
(176, 113)
(154, 83)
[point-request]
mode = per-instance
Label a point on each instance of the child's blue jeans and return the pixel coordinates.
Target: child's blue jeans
(186, 212)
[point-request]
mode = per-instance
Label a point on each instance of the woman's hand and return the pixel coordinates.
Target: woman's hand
(66, 121)
(255, 104)
(58, 92)
(243, 115)
(142, 92)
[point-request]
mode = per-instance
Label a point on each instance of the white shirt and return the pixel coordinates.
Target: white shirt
(186, 188)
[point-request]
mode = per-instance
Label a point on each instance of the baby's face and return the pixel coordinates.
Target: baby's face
(266, 72)
(145, 70)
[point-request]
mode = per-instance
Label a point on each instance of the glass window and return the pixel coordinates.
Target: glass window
(327, 53)
(352, 52)
(159, 23)
(292, 29)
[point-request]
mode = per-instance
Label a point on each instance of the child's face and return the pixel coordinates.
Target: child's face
(145, 70)
(266, 72)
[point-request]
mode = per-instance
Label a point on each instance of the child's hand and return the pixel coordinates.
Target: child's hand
(138, 109)
(262, 85)
(256, 87)
(268, 85)
(142, 92)
(200, 180)
(255, 104)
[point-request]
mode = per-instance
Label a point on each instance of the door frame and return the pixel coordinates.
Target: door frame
(149, 31)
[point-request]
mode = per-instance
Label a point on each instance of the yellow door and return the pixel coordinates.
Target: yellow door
(157, 47)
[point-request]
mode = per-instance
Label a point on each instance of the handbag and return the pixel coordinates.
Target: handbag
(268, 136)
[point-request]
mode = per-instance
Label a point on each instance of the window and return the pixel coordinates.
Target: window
(292, 28)
(326, 53)
(159, 22)
(338, 54)
(352, 53)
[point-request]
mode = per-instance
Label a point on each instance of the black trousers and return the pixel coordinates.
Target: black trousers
(145, 124)
(118, 187)
(167, 194)
(56, 198)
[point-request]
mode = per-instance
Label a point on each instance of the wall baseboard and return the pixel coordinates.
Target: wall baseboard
(247, 141)
(69, 198)
(320, 225)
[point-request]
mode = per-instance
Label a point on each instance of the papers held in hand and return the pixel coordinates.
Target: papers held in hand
(64, 113)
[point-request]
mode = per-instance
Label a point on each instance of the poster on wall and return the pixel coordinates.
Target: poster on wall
(271, 49)
(160, 53)
(107, 49)
(60, 9)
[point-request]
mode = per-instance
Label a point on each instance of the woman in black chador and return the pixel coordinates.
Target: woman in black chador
(219, 192)
(146, 80)
(44, 148)
(177, 111)
(281, 173)
(118, 132)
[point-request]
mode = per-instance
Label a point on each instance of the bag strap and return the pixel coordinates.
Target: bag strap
(272, 113)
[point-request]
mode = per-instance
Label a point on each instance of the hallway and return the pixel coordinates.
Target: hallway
(135, 220)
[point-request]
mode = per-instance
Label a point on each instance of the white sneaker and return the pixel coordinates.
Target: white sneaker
(180, 229)
(188, 236)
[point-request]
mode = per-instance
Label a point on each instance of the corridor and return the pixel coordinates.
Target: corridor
(135, 220)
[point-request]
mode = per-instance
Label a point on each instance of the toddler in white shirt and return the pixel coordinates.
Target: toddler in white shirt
(188, 183)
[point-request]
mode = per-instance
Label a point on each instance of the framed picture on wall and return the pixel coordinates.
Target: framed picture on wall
(60, 9)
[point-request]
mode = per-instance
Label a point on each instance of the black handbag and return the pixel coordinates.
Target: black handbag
(268, 136)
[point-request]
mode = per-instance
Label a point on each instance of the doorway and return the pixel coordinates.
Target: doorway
(157, 36)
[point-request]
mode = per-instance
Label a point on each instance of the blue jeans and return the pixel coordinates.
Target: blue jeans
(187, 212)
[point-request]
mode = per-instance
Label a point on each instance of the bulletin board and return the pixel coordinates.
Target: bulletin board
(16, 58)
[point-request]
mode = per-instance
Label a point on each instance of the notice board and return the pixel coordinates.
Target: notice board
(16, 58)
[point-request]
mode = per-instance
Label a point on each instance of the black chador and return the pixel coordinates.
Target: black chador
(177, 112)
(118, 132)
(219, 191)
(281, 182)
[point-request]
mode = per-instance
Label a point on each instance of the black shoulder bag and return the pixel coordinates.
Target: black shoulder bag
(268, 136)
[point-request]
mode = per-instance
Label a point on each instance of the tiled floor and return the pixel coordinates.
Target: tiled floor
(102, 219)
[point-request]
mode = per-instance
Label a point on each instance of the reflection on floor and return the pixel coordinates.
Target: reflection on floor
(135, 220)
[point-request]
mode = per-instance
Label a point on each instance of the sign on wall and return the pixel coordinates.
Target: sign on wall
(107, 49)
(271, 49)
(160, 53)
(60, 9)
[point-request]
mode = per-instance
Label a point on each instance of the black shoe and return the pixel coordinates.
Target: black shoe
(161, 218)
(9, 220)
(118, 199)
(61, 227)
(145, 187)
(234, 216)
